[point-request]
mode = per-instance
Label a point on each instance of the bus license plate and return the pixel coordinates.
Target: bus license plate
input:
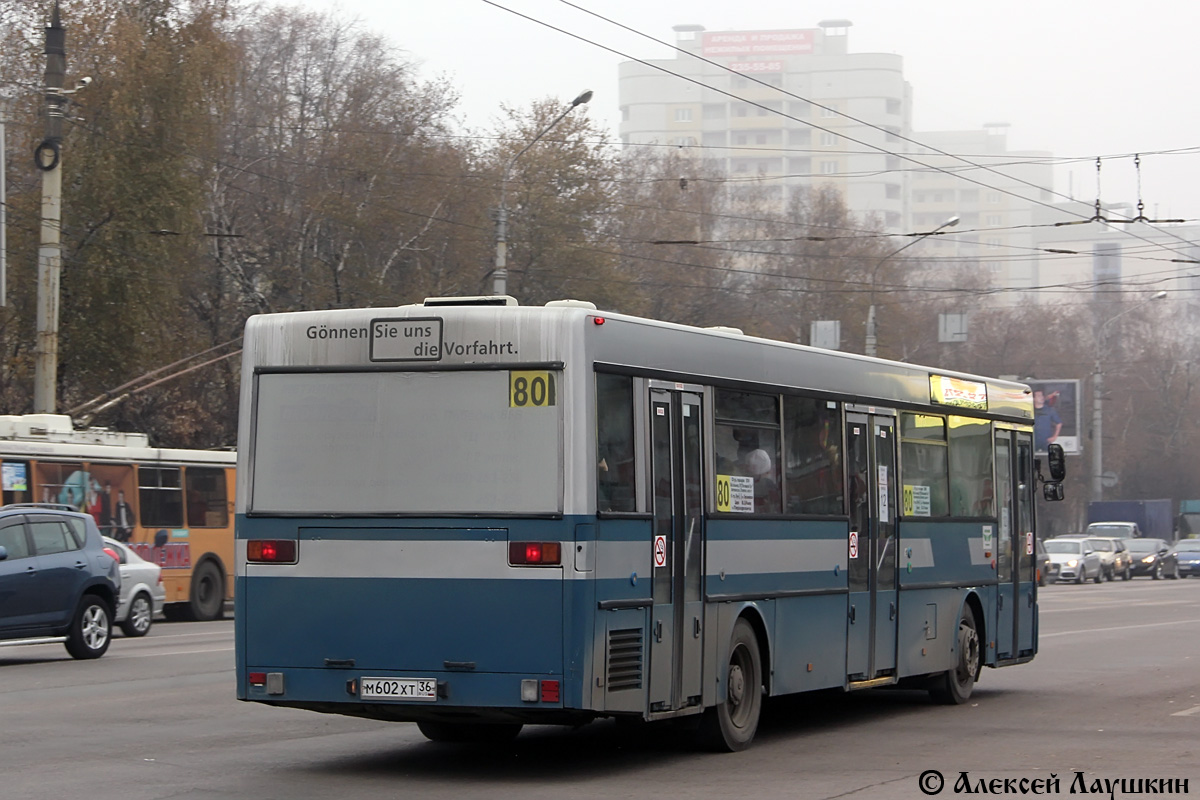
(398, 689)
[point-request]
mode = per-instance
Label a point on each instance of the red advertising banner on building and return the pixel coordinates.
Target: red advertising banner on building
(754, 43)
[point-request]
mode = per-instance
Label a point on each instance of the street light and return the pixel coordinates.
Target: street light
(870, 344)
(500, 273)
(1097, 399)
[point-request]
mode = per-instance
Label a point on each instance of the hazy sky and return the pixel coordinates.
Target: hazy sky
(1080, 79)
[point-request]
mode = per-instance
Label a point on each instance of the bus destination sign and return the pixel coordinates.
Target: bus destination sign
(406, 339)
(949, 391)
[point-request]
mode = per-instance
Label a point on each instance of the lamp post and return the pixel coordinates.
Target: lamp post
(871, 341)
(1097, 397)
(500, 272)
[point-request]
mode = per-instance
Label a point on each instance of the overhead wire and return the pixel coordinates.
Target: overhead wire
(795, 96)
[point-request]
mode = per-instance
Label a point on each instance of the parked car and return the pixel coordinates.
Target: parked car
(1114, 557)
(57, 580)
(1076, 559)
(142, 592)
(1153, 557)
(1047, 570)
(1187, 556)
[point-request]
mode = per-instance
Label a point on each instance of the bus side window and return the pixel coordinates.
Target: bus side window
(614, 443)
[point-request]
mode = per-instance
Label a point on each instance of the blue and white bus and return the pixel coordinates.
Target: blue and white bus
(474, 515)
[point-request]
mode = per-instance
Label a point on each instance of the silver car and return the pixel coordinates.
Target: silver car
(142, 592)
(1076, 559)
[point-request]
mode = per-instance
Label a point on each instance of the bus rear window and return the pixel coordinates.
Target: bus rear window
(460, 442)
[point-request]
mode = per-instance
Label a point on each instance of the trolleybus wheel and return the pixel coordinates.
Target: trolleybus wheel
(732, 724)
(469, 732)
(91, 628)
(954, 686)
(208, 593)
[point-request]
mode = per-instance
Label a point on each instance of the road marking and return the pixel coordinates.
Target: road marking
(204, 633)
(175, 653)
(1102, 604)
(1118, 628)
(1191, 711)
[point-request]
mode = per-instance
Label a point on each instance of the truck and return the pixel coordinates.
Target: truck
(1151, 519)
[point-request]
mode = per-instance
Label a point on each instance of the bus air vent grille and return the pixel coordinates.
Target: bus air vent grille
(625, 659)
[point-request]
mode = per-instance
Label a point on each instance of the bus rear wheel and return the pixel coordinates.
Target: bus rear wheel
(469, 732)
(954, 686)
(731, 726)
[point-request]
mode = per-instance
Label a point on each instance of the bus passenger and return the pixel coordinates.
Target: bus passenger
(766, 489)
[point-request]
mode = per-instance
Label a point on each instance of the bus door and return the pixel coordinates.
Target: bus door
(1015, 563)
(677, 621)
(873, 600)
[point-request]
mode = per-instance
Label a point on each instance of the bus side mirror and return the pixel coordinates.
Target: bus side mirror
(1056, 461)
(1052, 491)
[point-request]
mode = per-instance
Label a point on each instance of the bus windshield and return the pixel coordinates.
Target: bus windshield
(404, 443)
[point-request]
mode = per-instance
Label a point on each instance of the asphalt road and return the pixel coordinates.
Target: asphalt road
(1114, 693)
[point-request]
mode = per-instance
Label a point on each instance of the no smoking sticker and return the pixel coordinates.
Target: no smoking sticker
(854, 544)
(660, 551)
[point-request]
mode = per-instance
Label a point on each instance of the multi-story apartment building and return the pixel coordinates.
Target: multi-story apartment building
(791, 107)
(780, 110)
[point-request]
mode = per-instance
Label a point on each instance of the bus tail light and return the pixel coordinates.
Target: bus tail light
(271, 551)
(534, 553)
(549, 691)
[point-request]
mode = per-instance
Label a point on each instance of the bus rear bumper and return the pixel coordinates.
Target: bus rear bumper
(460, 696)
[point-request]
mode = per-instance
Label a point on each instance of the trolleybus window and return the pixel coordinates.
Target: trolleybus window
(207, 505)
(16, 481)
(923, 454)
(614, 443)
(970, 464)
(406, 442)
(160, 497)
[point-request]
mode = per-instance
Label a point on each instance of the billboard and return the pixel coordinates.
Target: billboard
(1056, 415)
(757, 43)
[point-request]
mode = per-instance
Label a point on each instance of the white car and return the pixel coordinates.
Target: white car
(142, 592)
(1076, 559)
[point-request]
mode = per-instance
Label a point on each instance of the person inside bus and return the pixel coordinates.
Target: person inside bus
(123, 519)
(757, 464)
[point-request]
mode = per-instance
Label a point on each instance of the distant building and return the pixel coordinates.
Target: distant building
(741, 109)
(805, 143)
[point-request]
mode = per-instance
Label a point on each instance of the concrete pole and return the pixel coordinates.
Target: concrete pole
(1098, 396)
(3, 214)
(49, 160)
(1097, 432)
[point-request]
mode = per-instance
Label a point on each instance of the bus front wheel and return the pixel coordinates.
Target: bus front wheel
(731, 726)
(954, 686)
